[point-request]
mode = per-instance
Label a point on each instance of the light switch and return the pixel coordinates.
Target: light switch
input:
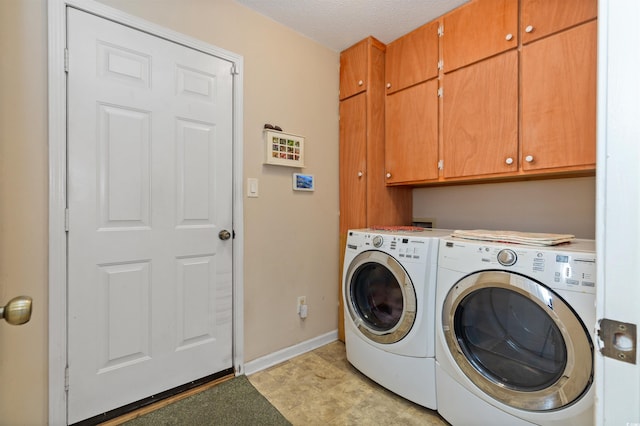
(252, 187)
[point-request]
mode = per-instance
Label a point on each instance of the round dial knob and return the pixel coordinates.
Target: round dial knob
(507, 257)
(377, 241)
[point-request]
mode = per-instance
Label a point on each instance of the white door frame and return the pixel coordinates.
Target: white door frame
(617, 206)
(58, 181)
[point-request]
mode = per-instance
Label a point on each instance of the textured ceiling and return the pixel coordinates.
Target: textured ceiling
(338, 24)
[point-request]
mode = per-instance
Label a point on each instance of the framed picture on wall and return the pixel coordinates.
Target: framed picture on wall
(302, 182)
(283, 149)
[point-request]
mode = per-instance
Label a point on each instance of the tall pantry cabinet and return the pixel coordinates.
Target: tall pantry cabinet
(365, 200)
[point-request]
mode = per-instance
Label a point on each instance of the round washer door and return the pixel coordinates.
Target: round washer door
(518, 341)
(380, 297)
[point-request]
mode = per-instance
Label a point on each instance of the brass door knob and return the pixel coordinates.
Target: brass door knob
(17, 311)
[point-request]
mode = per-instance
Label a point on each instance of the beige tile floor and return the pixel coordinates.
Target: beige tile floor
(322, 388)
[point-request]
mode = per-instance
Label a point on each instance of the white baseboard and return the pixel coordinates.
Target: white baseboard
(285, 354)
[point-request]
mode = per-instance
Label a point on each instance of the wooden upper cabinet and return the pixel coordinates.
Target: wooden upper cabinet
(412, 58)
(478, 30)
(540, 18)
(411, 141)
(355, 67)
(558, 92)
(480, 118)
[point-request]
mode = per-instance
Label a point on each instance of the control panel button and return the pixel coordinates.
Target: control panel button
(507, 257)
(377, 241)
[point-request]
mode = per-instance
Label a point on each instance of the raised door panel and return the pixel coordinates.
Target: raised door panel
(412, 58)
(412, 134)
(353, 163)
(559, 100)
(480, 122)
(478, 30)
(540, 18)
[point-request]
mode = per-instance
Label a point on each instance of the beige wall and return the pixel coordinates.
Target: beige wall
(23, 208)
(291, 238)
(565, 206)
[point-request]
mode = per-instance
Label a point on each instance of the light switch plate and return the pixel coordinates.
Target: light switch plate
(252, 187)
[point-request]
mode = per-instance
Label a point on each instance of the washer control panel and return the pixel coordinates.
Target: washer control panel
(413, 247)
(569, 266)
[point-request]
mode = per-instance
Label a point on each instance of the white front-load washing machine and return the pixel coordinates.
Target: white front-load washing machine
(515, 333)
(388, 290)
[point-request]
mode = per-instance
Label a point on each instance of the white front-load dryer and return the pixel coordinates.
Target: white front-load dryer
(514, 333)
(388, 290)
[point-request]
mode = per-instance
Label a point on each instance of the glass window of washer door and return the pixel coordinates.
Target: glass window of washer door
(510, 340)
(377, 296)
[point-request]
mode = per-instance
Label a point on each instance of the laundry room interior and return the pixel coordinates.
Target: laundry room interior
(296, 213)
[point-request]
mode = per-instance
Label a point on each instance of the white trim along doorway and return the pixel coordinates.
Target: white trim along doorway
(58, 186)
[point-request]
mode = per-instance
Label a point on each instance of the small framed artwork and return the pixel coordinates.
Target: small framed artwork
(302, 182)
(283, 149)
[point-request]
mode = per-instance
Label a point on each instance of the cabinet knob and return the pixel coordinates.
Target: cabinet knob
(509, 37)
(388, 175)
(528, 29)
(528, 158)
(388, 85)
(360, 174)
(360, 82)
(509, 161)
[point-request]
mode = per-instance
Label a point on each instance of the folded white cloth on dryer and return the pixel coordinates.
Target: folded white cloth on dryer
(516, 237)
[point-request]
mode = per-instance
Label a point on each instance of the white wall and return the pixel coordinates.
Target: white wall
(565, 206)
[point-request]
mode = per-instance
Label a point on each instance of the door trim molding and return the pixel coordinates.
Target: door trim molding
(57, 134)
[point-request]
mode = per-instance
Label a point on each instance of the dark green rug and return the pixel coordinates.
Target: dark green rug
(234, 402)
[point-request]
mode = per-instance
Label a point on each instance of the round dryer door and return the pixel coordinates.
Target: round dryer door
(518, 341)
(380, 297)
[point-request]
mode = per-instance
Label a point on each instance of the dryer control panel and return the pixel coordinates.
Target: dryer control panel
(570, 267)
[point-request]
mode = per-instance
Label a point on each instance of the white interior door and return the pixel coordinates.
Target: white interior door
(149, 190)
(618, 209)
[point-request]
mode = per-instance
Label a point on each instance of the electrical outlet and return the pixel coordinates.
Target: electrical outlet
(302, 300)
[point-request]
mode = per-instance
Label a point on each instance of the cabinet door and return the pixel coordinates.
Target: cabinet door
(353, 69)
(412, 58)
(353, 163)
(544, 17)
(411, 142)
(478, 30)
(480, 122)
(559, 100)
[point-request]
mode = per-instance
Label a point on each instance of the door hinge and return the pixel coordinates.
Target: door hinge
(66, 60)
(440, 92)
(234, 69)
(66, 379)
(440, 164)
(440, 30)
(618, 340)
(440, 64)
(66, 220)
